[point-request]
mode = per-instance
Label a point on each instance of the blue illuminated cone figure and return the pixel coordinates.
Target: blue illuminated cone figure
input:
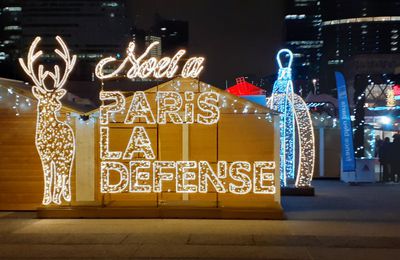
(281, 100)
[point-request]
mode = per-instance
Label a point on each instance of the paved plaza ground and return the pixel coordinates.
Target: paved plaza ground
(340, 222)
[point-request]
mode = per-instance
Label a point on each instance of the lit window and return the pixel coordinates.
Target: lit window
(295, 16)
(12, 28)
(110, 4)
(12, 9)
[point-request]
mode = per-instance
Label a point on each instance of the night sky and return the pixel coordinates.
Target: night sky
(237, 37)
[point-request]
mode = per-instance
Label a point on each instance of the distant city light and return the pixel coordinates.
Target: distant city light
(362, 20)
(295, 16)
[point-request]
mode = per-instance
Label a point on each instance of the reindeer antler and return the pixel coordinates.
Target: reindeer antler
(69, 64)
(39, 79)
(32, 57)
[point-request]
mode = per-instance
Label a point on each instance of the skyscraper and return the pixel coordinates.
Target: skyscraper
(361, 39)
(174, 34)
(156, 50)
(326, 35)
(10, 36)
(304, 39)
(92, 29)
(354, 28)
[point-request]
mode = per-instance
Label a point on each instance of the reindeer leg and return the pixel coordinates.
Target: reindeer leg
(67, 181)
(48, 180)
(58, 184)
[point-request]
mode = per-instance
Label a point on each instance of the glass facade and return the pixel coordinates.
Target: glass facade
(10, 36)
(325, 34)
(303, 38)
(92, 29)
(359, 27)
(174, 34)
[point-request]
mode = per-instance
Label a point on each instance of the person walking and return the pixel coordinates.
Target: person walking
(384, 158)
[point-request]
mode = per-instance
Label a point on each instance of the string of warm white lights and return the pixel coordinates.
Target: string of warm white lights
(238, 171)
(306, 143)
(169, 105)
(305, 137)
(139, 142)
(55, 141)
(106, 168)
(264, 177)
(138, 177)
(17, 102)
(147, 114)
(189, 177)
(184, 175)
(140, 68)
(21, 104)
(16, 105)
(140, 108)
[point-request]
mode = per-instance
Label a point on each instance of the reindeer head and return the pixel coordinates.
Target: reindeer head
(48, 98)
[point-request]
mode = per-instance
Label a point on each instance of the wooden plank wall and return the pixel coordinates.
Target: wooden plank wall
(21, 178)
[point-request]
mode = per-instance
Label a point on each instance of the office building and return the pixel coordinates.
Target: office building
(92, 29)
(10, 36)
(361, 39)
(351, 29)
(304, 39)
(174, 34)
(156, 51)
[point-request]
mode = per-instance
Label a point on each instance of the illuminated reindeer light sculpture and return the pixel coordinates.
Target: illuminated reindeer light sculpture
(55, 141)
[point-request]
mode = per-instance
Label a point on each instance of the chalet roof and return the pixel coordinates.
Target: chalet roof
(71, 102)
(244, 88)
(229, 103)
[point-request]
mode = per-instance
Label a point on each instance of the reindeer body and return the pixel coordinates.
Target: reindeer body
(55, 141)
(55, 144)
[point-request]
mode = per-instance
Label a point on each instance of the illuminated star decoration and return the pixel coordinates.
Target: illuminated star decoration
(294, 112)
(55, 141)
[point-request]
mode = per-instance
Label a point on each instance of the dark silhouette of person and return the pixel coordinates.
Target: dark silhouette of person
(394, 158)
(378, 145)
(385, 158)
